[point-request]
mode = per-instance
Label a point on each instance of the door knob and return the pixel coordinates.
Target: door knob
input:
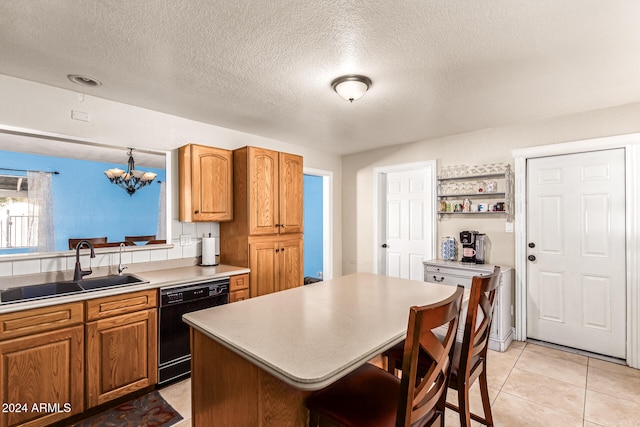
(531, 257)
(532, 245)
(384, 245)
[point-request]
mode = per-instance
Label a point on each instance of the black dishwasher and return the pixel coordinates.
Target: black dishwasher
(174, 353)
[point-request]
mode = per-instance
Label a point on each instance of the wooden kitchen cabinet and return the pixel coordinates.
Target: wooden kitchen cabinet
(121, 340)
(266, 232)
(238, 287)
(276, 265)
(42, 362)
(205, 176)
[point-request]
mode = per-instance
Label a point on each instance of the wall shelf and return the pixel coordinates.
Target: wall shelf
(457, 183)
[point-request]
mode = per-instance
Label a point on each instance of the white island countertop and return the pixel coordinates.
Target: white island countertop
(310, 336)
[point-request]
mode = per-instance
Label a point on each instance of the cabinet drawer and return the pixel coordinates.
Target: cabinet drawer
(101, 308)
(37, 320)
(239, 295)
(447, 279)
(239, 282)
(465, 272)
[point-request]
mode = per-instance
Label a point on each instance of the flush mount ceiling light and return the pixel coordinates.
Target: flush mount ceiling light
(131, 180)
(84, 80)
(351, 87)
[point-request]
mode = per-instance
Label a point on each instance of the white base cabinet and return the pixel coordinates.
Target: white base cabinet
(456, 273)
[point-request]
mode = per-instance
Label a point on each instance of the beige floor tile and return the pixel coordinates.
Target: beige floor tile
(452, 419)
(499, 365)
(546, 391)
(474, 398)
(518, 344)
(552, 367)
(614, 367)
(512, 411)
(606, 410)
(613, 384)
(179, 396)
(560, 354)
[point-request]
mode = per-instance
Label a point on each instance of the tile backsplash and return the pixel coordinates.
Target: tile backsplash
(186, 240)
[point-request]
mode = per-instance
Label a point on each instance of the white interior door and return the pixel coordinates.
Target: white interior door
(406, 230)
(576, 289)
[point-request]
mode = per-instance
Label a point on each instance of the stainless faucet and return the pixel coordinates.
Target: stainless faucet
(120, 266)
(79, 272)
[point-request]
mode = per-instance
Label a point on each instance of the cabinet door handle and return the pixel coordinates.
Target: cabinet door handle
(196, 212)
(277, 225)
(282, 249)
(277, 250)
(438, 280)
(283, 226)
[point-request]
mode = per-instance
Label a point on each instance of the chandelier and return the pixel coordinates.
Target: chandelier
(131, 180)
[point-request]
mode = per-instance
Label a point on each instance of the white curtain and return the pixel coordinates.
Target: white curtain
(40, 234)
(162, 214)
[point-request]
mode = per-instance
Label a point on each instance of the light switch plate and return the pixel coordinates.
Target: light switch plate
(508, 227)
(185, 239)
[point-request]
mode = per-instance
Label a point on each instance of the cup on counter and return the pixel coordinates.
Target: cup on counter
(482, 207)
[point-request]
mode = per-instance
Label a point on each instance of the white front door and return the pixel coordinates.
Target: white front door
(576, 289)
(407, 233)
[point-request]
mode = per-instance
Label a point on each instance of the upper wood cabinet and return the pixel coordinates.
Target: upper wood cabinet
(206, 183)
(275, 190)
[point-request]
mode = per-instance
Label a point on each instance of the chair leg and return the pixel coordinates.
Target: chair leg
(391, 365)
(484, 394)
(463, 406)
(314, 419)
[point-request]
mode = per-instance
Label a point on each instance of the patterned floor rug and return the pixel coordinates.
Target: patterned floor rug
(150, 410)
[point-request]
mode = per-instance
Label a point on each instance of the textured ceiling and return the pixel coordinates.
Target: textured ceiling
(265, 67)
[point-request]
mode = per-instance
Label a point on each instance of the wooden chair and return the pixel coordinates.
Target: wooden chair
(157, 242)
(93, 240)
(112, 244)
(470, 355)
(135, 239)
(370, 396)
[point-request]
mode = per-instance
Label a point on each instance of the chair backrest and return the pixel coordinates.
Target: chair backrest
(419, 397)
(74, 242)
(140, 238)
(112, 244)
(477, 327)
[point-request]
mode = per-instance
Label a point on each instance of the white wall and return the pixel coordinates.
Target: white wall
(43, 108)
(487, 146)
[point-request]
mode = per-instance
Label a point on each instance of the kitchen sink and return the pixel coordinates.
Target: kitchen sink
(109, 281)
(45, 290)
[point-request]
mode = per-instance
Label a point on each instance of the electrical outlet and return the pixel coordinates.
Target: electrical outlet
(508, 227)
(185, 239)
(319, 275)
(80, 115)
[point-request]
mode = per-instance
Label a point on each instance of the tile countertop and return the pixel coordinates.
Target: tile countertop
(311, 335)
(156, 278)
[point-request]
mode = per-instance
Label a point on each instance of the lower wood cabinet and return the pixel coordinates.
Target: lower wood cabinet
(276, 265)
(239, 288)
(122, 354)
(42, 374)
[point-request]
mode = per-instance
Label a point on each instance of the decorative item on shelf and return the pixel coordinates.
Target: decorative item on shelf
(131, 180)
(492, 186)
(480, 187)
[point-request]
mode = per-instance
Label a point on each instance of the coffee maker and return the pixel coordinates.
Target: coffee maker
(473, 247)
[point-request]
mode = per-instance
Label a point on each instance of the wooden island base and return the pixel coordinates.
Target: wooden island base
(228, 390)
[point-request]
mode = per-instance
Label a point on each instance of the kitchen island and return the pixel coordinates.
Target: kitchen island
(254, 362)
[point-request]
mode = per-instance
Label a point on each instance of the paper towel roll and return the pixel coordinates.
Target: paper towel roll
(208, 251)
